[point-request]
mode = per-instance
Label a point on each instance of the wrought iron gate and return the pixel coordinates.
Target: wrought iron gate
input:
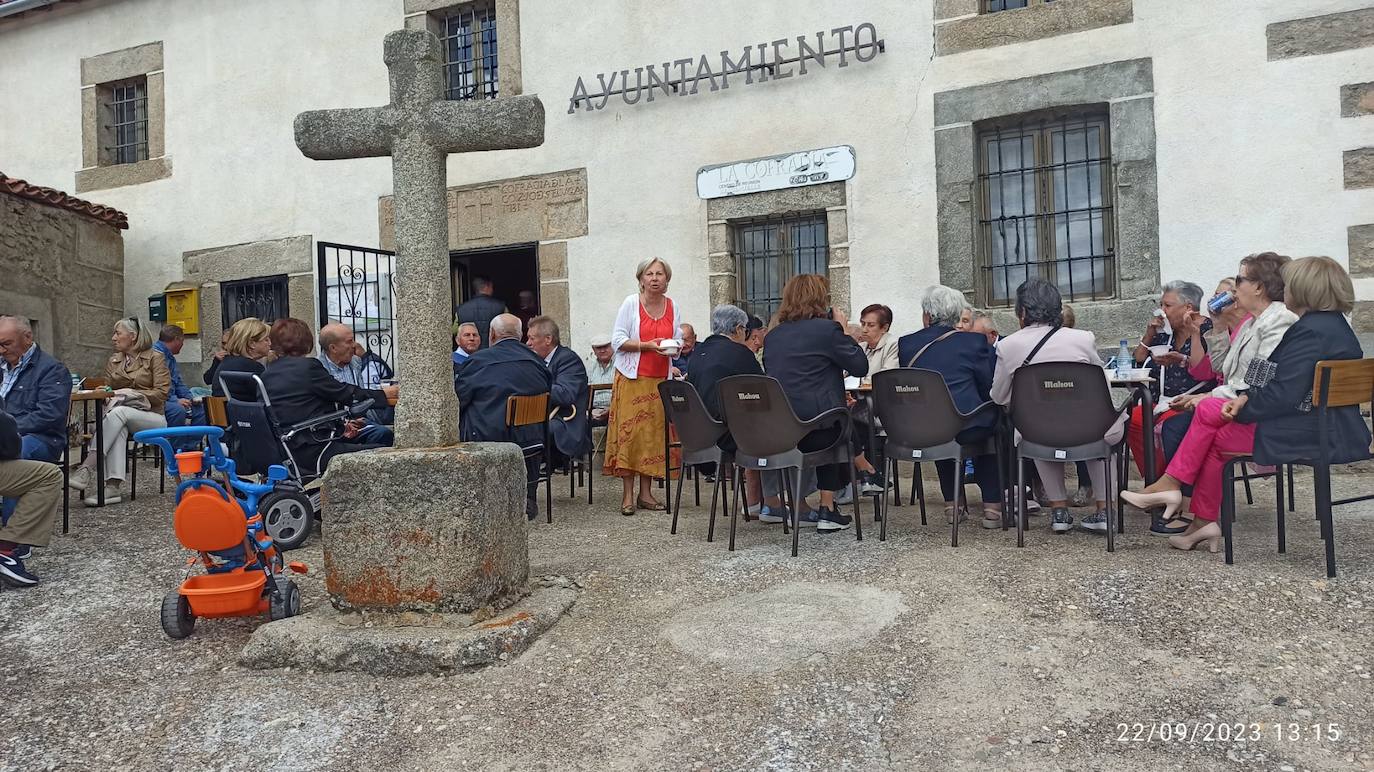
(356, 289)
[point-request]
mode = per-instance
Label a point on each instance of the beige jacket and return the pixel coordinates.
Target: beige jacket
(882, 357)
(145, 372)
(1258, 337)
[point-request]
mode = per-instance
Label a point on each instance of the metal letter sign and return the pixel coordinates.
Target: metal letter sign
(794, 170)
(756, 63)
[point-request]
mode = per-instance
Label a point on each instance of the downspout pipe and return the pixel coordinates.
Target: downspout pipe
(19, 6)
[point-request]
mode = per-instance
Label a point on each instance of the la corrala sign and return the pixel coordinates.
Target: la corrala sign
(757, 63)
(792, 170)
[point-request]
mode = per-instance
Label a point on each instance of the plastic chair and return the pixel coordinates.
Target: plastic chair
(922, 423)
(766, 433)
(1335, 383)
(522, 411)
(698, 434)
(1062, 411)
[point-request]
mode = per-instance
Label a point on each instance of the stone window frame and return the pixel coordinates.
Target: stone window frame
(966, 25)
(99, 74)
(1127, 88)
(430, 15)
(723, 214)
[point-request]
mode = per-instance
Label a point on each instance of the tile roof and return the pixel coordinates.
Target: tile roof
(52, 197)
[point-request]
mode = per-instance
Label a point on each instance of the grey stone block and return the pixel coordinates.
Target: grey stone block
(1084, 86)
(290, 255)
(1321, 34)
(1359, 168)
(811, 198)
(1362, 319)
(121, 64)
(408, 643)
(433, 530)
(1361, 242)
(120, 175)
(948, 9)
(1357, 99)
(1040, 20)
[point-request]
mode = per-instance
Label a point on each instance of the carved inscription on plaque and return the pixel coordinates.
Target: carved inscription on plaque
(542, 207)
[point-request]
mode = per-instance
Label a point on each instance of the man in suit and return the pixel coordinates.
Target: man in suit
(480, 309)
(1041, 338)
(505, 369)
(36, 390)
(568, 426)
(965, 361)
(722, 355)
(37, 488)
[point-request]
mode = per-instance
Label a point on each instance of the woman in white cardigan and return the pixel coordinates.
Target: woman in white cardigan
(645, 328)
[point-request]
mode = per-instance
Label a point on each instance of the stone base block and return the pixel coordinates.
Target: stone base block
(438, 530)
(411, 643)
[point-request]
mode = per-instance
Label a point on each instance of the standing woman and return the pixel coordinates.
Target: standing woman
(634, 442)
(141, 382)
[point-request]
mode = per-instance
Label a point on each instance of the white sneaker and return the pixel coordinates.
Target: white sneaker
(111, 496)
(844, 496)
(79, 479)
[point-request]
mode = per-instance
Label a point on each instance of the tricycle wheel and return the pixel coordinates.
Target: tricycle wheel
(287, 516)
(177, 619)
(287, 601)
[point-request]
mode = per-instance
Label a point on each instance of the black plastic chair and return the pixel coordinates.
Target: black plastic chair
(1062, 411)
(1336, 383)
(698, 434)
(922, 423)
(766, 433)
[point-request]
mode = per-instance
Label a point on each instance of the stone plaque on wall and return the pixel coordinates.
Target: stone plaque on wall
(541, 207)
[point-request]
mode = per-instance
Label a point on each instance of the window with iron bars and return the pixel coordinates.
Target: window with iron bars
(126, 121)
(1045, 206)
(769, 252)
(263, 298)
(993, 6)
(469, 38)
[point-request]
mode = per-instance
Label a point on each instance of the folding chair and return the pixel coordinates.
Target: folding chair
(534, 411)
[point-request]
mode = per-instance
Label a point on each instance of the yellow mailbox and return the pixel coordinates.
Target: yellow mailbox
(183, 307)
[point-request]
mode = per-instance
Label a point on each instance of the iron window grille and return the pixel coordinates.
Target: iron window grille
(1045, 206)
(993, 6)
(127, 121)
(469, 38)
(264, 298)
(768, 252)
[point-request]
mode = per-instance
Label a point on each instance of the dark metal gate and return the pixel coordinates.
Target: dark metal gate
(356, 289)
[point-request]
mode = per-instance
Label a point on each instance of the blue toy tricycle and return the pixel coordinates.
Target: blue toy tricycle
(243, 568)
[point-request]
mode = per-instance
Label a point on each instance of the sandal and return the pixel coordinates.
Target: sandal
(1170, 527)
(627, 511)
(992, 518)
(652, 506)
(949, 514)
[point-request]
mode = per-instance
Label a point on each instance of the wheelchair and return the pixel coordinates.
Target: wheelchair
(260, 442)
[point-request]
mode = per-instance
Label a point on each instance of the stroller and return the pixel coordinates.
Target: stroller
(290, 509)
(243, 568)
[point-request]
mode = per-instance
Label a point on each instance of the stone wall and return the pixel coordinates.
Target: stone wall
(65, 272)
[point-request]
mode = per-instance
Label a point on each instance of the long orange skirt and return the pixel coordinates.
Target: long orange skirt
(634, 435)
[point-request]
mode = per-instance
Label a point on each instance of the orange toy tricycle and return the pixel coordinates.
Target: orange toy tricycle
(243, 569)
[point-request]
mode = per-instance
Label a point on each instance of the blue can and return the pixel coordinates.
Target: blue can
(1220, 303)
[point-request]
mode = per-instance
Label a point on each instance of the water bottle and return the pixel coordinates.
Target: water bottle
(1123, 361)
(76, 381)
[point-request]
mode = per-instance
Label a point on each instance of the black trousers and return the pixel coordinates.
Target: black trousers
(829, 477)
(985, 471)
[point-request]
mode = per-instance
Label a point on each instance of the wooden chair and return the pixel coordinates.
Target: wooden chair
(1335, 383)
(215, 413)
(534, 411)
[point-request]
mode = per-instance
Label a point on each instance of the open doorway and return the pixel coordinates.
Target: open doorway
(511, 270)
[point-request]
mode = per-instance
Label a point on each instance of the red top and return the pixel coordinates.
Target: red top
(651, 363)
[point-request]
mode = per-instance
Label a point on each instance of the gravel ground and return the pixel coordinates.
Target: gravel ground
(1058, 655)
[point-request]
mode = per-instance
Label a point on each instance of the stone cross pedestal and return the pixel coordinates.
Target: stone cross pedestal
(418, 129)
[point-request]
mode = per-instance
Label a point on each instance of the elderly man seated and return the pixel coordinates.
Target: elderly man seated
(507, 368)
(1043, 338)
(337, 347)
(568, 398)
(179, 406)
(36, 390)
(601, 372)
(37, 488)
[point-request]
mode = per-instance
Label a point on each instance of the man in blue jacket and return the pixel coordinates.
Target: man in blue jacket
(572, 437)
(36, 390)
(179, 404)
(505, 369)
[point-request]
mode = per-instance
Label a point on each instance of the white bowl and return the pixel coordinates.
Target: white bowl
(1159, 351)
(670, 347)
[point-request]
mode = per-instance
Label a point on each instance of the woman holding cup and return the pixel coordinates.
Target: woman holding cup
(644, 347)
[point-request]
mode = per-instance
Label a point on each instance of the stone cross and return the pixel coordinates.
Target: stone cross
(418, 129)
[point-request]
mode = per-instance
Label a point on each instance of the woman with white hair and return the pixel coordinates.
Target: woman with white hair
(644, 346)
(965, 360)
(140, 382)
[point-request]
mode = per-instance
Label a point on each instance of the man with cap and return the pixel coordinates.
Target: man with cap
(600, 370)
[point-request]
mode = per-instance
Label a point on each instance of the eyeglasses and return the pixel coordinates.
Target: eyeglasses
(1241, 279)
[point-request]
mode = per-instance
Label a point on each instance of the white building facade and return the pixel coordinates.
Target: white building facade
(1110, 145)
